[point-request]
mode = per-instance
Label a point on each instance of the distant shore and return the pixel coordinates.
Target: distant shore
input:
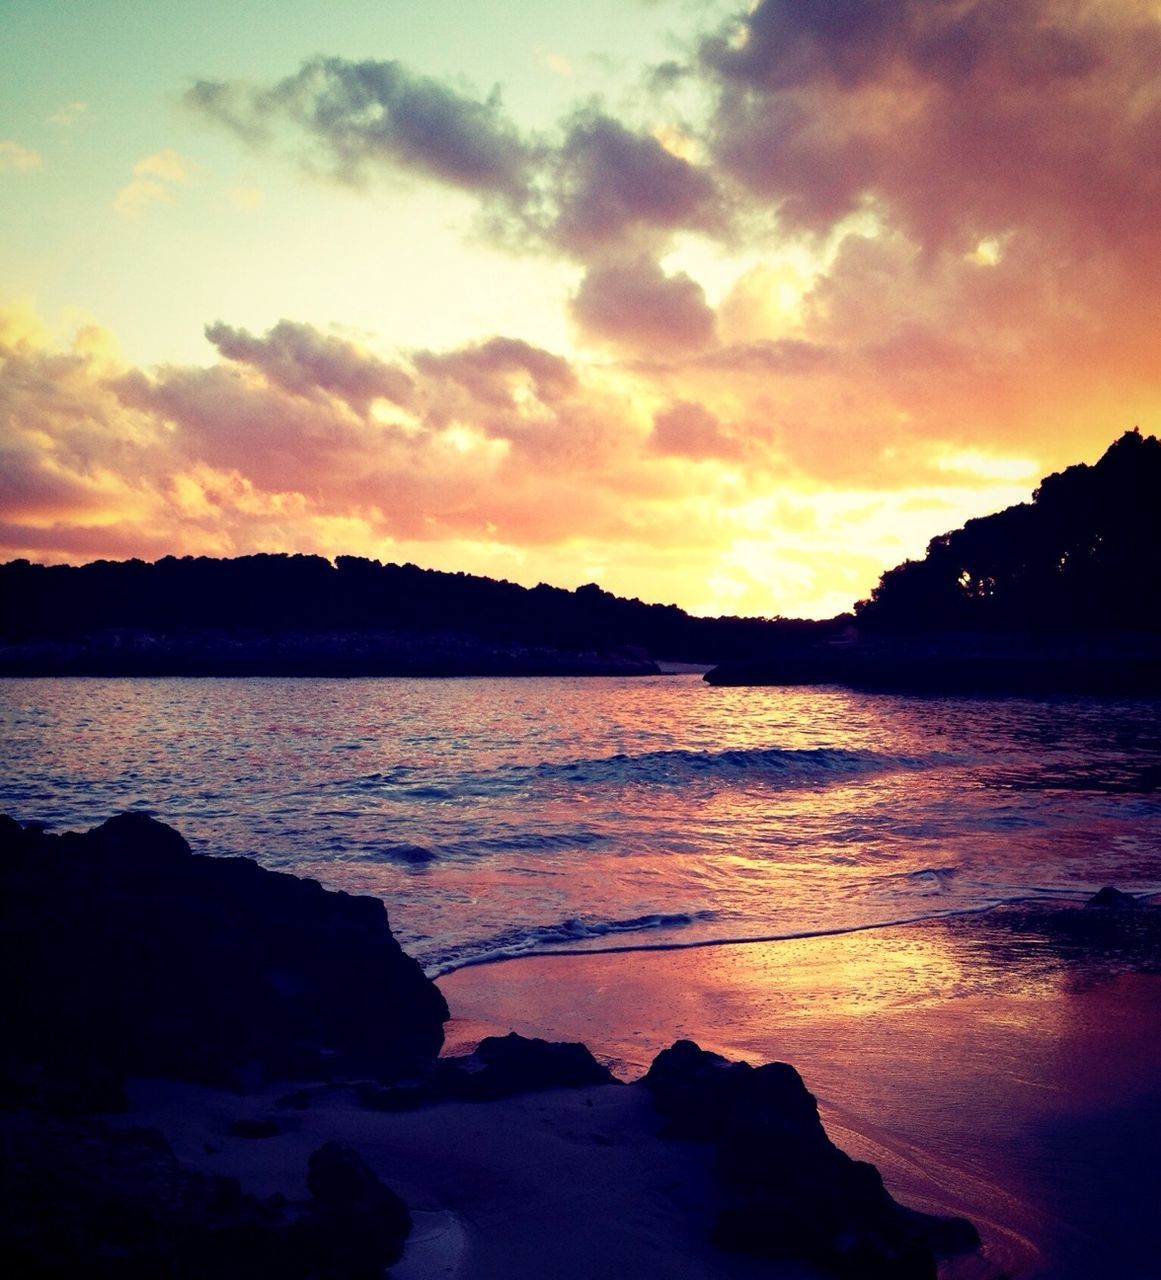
(226, 653)
(1002, 663)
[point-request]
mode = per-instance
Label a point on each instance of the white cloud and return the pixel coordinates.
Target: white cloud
(154, 179)
(69, 114)
(14, 156)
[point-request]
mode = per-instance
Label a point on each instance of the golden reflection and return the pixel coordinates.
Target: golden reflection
(828, 1000)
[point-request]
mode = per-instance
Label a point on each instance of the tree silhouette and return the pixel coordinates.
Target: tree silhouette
(1084, 554)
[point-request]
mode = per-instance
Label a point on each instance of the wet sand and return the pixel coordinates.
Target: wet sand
(984, 1077)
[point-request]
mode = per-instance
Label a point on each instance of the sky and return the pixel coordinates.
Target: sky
(724, 305)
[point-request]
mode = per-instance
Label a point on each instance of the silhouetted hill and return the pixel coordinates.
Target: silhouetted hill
(1060, 594)
(300, 614)
(1083, 555)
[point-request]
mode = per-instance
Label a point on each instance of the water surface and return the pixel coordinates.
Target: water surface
(502, 817)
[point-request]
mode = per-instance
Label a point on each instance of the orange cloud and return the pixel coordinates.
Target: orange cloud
(511, 455)
(925, 270)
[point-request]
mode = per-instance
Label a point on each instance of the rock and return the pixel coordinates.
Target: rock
(137, 955)
(703, 1095)
(357, 1225)
(256, 1127)
(503, 1066)
(415, 855)
(79, 1198)
(787, 1189)
(1112, 899)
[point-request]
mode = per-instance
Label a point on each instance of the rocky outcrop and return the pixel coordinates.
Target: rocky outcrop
(136, 955)
(787, 1190)
(80, 1198)
(1110, 898)
(503, 1066)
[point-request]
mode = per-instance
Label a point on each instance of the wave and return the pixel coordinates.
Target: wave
(560, 938)
(533, 947)
(768, 766)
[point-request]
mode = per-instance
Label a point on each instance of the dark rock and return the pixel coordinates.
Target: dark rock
(787, 1189)
(1112, 899)
(256, 1127)
(136, 955)
(78, 1198)
(357, 1225)
(503, 1066)
(414, 855)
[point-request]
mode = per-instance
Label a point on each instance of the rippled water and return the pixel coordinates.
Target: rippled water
(498, 817)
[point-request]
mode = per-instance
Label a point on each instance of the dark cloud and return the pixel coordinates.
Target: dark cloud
(635, 305)
(598, 184)
(609, 182)
(689, 430)
(491, 371)
(303, 361)
(366, 114)
(782, 43)
(951, 121)
(769, 355)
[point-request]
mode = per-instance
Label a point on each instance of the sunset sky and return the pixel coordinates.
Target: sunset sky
(722, 305)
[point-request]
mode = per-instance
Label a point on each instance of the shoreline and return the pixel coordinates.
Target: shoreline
(1019, 907)
(1019, 1089)
(1002, 1067)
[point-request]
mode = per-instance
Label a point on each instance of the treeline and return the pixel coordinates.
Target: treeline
(308, 595)
(1083, 555)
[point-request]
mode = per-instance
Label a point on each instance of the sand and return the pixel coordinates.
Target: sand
(996, 1081)
(1004, 1085)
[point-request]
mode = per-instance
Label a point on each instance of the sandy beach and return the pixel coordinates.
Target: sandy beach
(994, 1081)
(986, 1078)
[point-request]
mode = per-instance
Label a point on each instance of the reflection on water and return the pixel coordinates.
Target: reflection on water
(974, 1063)
(500, 817)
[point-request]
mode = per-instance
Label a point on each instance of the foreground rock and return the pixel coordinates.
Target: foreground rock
(137, 956)
(787, 1189)
(505, 1066)
(78, 1198)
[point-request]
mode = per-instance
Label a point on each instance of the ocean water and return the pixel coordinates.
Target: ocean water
(499, 818)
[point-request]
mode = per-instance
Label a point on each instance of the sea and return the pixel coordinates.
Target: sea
(499, 818)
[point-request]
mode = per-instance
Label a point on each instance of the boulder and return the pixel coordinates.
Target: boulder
(503, 1066)
(787, 1190)
(356, 1225)
(79, 1198)
(136, 955)
(1112, 899)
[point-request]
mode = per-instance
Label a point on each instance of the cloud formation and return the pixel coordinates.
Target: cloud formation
(635, 306)
(14, 156)
(689, 430)
(595, 184)
(497, 456)
(70, 114)
(156, 178)
(951, 121)
(851, 272)
(608, 183)
(363, 114)
(303, 361)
